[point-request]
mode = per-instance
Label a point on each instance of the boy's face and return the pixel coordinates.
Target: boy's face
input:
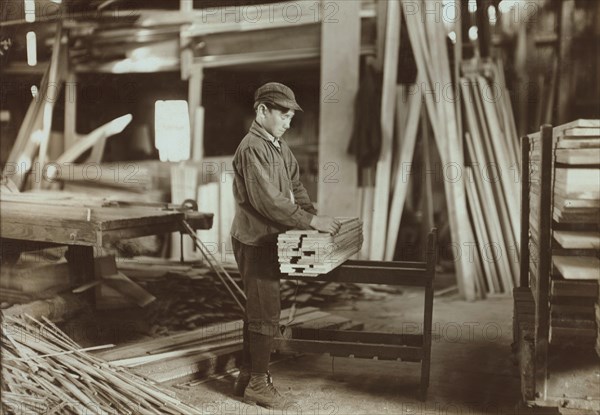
(275, 121)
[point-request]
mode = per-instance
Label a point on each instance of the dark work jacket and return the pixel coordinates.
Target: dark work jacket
(365, 143)
(264, 178)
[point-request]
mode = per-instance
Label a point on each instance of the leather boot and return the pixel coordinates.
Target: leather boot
(242, 380)
(261, 391)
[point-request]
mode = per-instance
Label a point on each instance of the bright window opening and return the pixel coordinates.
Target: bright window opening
(172, 130)
(31, 49)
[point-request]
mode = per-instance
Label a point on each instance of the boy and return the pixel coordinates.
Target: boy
(270, 199)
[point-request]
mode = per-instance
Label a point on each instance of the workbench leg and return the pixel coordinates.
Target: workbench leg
(9, 252)
(427, 327)
(81, 266)
(431, 260)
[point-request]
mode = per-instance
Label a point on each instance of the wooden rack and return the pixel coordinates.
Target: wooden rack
(554, 314)
(369, 345)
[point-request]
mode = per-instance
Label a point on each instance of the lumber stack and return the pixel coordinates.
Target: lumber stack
(310, 252)
(576, 235)
(428, 42)
(492, 191)
(44, 371)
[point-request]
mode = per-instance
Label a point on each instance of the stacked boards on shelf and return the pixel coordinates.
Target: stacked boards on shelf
(310, 252)
(575, 267)
(556, 324)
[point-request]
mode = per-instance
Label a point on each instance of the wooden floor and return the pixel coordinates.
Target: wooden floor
(472, 370)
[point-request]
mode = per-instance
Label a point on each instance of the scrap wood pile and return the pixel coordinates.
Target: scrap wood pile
(207, 349)
(310, 252)
(184, 302)
(44, 371)
(189, 296)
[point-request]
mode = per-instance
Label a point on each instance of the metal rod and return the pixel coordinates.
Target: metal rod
(201, 247)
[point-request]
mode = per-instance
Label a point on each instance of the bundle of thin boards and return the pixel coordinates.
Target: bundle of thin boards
(310, 252)
(492, 192)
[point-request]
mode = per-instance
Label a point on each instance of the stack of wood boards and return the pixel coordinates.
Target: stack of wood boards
(492, 191)
(208, 349)
(576, 215)
(310, 253)
(575, 195)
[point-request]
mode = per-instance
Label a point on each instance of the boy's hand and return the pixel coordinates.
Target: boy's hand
(326, 224)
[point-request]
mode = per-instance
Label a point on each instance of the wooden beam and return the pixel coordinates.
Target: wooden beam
(186, 7)
(430, 39)
(70, 109)
(196, 111)
(565, 40)
(388, 102)
(524, 234)
(113, 127)
(340, 46)
(58, 64)
(380, 39)
(487, 270)
(405, 155)
(543, 266)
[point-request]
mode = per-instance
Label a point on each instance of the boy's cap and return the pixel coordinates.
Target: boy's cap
(276, 93)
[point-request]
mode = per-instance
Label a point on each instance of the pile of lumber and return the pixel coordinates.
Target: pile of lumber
(207, 349)
(44, 371)
(576, 232)
(492, 191)
(310, 252)
(432, 102)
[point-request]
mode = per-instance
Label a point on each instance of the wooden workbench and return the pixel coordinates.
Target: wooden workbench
(31, 221)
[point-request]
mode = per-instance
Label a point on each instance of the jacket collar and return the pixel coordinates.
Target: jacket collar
(258, 130)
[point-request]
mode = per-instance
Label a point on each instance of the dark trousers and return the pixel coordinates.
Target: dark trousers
(259, 269)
